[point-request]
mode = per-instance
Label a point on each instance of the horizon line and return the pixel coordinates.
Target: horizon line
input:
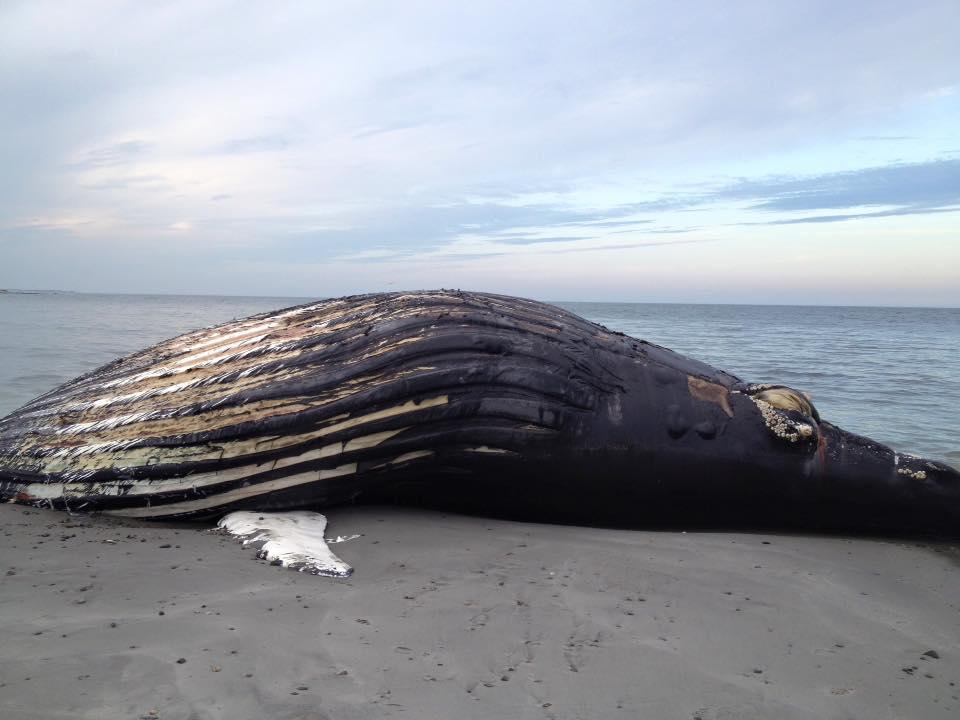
(18, 291)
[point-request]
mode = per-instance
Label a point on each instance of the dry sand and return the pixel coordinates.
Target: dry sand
(458, 617)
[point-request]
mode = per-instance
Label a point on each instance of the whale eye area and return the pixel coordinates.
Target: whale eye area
(788, 413)
(784, 398)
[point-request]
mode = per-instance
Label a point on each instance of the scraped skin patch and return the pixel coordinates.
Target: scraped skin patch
(291, 539)
(710, 392)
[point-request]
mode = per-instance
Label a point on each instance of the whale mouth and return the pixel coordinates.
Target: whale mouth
(874, 486)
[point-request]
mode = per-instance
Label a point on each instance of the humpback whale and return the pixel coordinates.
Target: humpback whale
(470, 401)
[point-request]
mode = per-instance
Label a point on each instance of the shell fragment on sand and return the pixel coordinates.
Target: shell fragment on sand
(292, 539)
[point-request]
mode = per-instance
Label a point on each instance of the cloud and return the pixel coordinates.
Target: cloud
(632, 246)
(118, 153)
(483, 249)
(613, 223)
(420, 228)
(58, 223)
(127, 182)
(859, 216)
(923, 185)
(398, 126)
(536, 239)
(263, 143)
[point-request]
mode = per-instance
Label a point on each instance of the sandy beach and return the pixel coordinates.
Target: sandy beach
(450, 616)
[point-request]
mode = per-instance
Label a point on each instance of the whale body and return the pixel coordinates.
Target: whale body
(470, 401)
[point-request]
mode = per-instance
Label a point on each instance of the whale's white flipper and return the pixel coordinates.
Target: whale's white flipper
(292, 539)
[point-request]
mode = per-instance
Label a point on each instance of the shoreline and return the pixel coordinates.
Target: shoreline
(455, 616)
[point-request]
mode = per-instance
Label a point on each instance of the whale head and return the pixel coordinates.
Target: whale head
(861, 482)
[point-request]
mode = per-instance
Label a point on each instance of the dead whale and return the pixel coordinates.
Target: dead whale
(471, 401)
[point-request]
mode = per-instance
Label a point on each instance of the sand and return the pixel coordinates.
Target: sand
(458, 617)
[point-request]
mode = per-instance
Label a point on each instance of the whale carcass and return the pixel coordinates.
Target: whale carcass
(475, 402)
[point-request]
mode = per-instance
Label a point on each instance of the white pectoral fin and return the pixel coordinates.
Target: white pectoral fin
(292, 539)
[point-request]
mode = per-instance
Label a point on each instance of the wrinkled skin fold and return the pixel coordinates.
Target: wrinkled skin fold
(475, 402)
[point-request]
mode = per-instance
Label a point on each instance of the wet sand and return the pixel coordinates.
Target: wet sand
(458, 617)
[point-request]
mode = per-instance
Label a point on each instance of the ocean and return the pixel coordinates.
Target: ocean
(890, 373)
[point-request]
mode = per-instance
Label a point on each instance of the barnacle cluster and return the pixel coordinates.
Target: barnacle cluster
(781, 425)
(915, 474)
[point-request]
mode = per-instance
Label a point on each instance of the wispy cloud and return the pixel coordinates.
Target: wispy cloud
(398, 126)
(841, 217)
(921, 186)
(262, 143)
(635, 245)
(118, 153)
(126, 182)
(536, 239)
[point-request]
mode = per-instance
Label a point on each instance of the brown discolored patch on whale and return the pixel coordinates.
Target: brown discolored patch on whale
(710, 392)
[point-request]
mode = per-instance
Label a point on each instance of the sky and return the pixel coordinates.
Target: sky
(744, 152)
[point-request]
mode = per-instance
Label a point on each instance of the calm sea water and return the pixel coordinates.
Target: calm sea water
(890, 373)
